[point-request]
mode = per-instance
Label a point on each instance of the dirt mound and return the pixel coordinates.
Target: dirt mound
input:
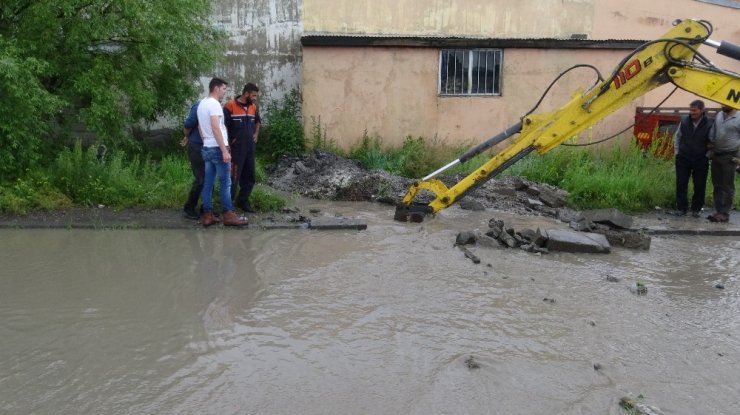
(323, 175)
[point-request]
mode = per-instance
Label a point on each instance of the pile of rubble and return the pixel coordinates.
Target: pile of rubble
(323, 175)
(593, 231)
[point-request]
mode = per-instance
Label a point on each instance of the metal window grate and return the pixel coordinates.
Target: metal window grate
(470, 71)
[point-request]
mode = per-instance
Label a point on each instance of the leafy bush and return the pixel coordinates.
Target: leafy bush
(282, 132)
(110, 63)
(25, 108)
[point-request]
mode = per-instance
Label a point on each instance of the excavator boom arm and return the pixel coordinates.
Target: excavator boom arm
(666, 60)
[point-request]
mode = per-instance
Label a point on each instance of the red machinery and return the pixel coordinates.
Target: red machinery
(654, 128)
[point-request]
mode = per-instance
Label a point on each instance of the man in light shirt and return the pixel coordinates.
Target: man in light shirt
(725, 141)
(216, 155)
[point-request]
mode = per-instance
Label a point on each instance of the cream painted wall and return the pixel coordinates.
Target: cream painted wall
(487, 18)
(392, 92)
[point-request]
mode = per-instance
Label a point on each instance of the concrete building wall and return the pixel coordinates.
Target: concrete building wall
(263, 45)
(392, 91)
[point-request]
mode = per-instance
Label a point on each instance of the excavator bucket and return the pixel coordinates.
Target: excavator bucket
(414, 212)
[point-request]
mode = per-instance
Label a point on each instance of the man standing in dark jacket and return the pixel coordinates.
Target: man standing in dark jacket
(243, 122)
(690, 145)
(191, 139)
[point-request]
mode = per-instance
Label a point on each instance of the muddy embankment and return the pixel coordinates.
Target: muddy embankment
(323, 175)
(326, 176)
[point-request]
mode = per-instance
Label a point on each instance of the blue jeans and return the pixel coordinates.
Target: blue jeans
(215, 166)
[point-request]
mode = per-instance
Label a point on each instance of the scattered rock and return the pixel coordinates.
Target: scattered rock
(471, 363)
(486, 241)
(465, 238)
(592, 323)
(470, 255)
(552, 198)
(534, 203)
(720, 286)
(471, 204)
(637, 408)
(627, 239)
(314, 211)
(597, 367)
(581, 225)
(639, 288)
(504, 191)
(549, 300)
(568, 215)
(612, 278)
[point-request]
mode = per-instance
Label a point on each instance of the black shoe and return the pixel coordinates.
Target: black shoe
(190, 213)
(246, 207)
(696, 213)
(681, 213)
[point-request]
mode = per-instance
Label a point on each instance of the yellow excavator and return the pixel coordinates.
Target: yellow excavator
(672, 58)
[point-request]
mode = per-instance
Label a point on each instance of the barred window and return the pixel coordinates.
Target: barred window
(470, 71)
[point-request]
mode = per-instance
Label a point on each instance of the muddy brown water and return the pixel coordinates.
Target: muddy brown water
(380, 321)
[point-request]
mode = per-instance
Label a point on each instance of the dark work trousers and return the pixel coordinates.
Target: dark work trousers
(723, 180)
(199, 174)
(243, 172)
(697, 170)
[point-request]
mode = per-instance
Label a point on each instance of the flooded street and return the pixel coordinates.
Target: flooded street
(381, 321)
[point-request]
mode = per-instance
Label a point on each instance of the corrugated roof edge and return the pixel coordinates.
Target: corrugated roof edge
(433, 41)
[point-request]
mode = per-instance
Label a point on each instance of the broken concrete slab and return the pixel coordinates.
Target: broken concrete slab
(337, 223)
(552, 198)
(527, 234)
(282, 225)
(564, 240)
(569, 215)
(612, 217)
(533, 203)
(628, 239)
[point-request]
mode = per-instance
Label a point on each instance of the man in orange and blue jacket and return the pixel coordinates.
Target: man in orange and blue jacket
(242, 119)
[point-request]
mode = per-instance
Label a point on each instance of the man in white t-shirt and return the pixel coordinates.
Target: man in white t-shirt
(216, 155)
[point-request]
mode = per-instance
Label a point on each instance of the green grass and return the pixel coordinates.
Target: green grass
(77, 177)
(627, 179)
(415, 158)
(623, 178)
(595, 178)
